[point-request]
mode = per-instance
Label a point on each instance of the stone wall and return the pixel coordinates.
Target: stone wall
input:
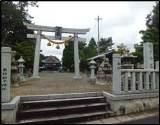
(125, 104)
(8, 110)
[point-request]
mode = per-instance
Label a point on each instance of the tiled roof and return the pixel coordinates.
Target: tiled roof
(51, 59)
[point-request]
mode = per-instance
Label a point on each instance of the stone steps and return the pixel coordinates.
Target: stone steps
(59, 111)
(67, 110)
(60, 102)
(65, 119)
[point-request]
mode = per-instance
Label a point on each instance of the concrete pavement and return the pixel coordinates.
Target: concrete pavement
(126, 118)
(148, 120)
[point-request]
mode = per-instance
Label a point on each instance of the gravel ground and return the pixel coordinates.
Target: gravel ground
(54, 82)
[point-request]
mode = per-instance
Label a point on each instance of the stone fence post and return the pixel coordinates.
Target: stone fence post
(148, 55)
(116, 79)
(5, 74)
(157, 65)
(157, 75)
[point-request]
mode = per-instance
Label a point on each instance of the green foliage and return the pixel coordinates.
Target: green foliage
(122, 49)
(12, 16)
(91, 49)
(92, 43)
(82, 54)
(153, 17)
(85, 52)
(13, 32)
(68, 56)
(151, 34)
(105, 44)
(25, 49)
(138, 52)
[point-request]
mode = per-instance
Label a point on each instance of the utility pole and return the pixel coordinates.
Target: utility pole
(98, 33)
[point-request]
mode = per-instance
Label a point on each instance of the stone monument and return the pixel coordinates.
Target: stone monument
(5, 74)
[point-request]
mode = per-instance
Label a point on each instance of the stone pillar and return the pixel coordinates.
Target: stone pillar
(92, 72)
(157, 65)
(76, 58)
(140, 81)
(133, 86)
(116, 79)
(37, 56)
(148, 55)
(157, 75)
(5, 74)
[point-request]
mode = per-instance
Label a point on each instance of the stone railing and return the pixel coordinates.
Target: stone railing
(125, 81)
(139, 80)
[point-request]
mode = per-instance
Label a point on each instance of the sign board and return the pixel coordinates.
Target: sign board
(58, 33)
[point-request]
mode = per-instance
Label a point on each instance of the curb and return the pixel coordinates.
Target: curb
(138, 118)
(124, 118)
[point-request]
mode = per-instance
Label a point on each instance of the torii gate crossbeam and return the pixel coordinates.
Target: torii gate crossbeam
(53, 29)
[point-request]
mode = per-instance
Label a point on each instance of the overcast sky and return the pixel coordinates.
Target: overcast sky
(120, 20)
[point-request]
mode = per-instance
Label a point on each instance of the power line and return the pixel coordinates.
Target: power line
(98, 19)
(90, 33)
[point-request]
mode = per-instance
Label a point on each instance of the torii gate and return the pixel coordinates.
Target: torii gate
(38, 37)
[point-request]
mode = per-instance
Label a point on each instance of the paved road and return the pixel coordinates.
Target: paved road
(148, 120)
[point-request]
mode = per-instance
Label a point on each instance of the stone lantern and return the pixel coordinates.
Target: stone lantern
(14, 71)
(20, 68)
(106, 66)
(92, 64)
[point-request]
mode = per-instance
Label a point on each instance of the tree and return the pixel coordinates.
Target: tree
(92, 43)
(122, 49)
(151, 34)
(68, 56)
(85, 52)
(25, 49)
(91, 49)
(138, 52)
(13, 32)
(105, 44)
(13, 15)
(82, 54)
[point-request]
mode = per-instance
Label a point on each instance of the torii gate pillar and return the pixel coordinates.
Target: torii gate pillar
(76, 58)
(37, 56)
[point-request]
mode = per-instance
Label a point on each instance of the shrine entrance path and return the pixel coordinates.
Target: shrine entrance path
(54, 82)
